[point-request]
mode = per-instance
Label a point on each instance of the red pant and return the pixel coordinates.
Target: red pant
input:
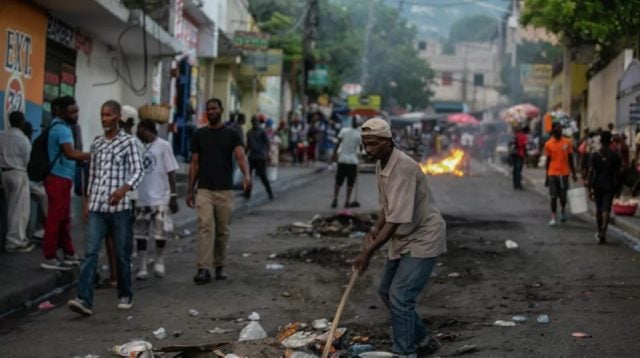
(57, 228)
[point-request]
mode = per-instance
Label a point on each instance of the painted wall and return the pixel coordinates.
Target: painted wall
(603, 89)
(98, 82)
(23, 29)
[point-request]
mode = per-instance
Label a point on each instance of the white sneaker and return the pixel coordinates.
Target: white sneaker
(552, 222)
(158, 267)
(78, 306)
(142, 273)
(125, 303)
(54, 264)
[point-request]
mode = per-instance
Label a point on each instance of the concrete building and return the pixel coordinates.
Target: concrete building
(467, 80)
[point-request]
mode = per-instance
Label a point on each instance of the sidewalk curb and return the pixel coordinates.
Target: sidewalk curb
(625, 230)
(49, 285)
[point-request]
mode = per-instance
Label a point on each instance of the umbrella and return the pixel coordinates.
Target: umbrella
(463, 119)
(526, 110)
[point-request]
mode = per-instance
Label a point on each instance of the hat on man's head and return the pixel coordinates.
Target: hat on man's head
(377, 127)
(129, 112)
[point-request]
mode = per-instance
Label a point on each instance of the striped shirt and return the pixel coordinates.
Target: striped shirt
(114, 163)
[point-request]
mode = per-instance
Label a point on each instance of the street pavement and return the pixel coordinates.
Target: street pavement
(24, 284)
(560, 272)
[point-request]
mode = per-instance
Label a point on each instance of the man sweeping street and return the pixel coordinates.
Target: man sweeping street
(416, 234)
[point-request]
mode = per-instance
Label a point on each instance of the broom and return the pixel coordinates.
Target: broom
(336, 318)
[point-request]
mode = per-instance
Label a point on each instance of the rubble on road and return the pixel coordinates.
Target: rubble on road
(340, 225)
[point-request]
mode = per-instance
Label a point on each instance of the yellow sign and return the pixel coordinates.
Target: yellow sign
(262, 63)
(370, 101)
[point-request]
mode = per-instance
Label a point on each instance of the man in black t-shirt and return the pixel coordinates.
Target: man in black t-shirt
(211, 168)
(258, 148)
(604, 173)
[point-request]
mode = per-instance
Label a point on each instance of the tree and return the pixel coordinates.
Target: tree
(478, 28)
(396, 71)
(609, 25)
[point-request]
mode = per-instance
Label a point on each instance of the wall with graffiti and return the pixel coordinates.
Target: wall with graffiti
(23, 29)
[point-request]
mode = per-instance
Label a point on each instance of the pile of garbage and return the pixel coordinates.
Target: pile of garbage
(343, 224)
(294, 340)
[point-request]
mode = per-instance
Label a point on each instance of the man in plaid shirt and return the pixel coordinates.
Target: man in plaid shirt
(115, 168)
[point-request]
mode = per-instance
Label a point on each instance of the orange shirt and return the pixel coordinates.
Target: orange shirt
(558, 150)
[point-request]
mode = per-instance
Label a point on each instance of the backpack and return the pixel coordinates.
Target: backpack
(40, 165)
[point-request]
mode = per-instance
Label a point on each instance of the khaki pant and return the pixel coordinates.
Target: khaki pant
(16, 191)
(214, 217)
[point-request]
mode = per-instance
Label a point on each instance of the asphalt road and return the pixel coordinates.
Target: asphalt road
(560, 272)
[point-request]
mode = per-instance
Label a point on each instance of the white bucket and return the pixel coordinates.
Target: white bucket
(578, 200)
(272, 173)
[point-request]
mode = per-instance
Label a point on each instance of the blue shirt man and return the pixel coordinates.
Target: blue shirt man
(59, 134)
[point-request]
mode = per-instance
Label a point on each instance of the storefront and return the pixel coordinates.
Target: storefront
(22, 44)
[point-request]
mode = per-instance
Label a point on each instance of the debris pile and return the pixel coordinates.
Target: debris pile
(343, 224)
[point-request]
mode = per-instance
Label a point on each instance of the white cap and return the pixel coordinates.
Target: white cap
(376, 127)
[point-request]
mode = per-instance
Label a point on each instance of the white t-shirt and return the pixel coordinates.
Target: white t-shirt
(351, 140)
(158, 162)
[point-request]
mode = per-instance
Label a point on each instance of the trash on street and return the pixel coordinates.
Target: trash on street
(254, 316)
(344, 224)
(321, 324)
(466, 349)
(132, 349)
(580, 335)
(543, 318)
(274, 266)
(502, 323)
(510, 244)
(46, 305)
(519, 319)
(193, 312)
(160, 333)
(219, 330)
(252, 331)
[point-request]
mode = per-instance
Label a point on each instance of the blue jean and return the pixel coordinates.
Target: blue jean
(100, 225)
(402, 281)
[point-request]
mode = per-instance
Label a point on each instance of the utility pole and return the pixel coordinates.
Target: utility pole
(364, 77)
(308, 44)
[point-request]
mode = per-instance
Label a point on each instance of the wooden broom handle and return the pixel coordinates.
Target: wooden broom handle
(336, 319)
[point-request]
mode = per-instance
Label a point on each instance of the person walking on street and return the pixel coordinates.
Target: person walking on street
(63, 157)
(258, 149)
(416, 232)
(157, 197)
(15, 149)
(519, 155)
(559, 152)
(346, 153)
(213, 147)
(115, 169)
(603, 178)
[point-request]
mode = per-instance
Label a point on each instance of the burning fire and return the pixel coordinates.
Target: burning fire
(450, 164)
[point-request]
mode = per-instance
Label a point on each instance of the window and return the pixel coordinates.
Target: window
(447, 78)
(478, 80)
(422, 45)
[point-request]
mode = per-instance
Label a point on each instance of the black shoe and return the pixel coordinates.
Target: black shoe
(203, 276)
(219, 274)
(334, 204)
(428, 346)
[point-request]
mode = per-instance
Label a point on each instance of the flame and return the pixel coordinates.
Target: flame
(448, 165)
